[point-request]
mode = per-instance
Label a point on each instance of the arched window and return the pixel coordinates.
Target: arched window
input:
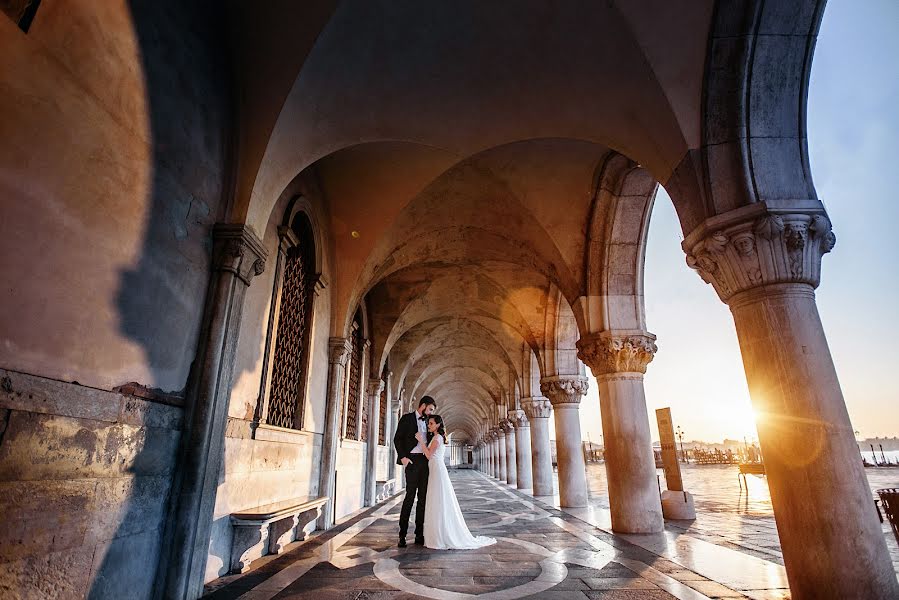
(355, 404)
(290, 326)
(382, 411)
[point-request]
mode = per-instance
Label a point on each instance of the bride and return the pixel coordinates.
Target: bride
(445, 528)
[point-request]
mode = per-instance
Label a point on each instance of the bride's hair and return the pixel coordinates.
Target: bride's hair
(440, 427)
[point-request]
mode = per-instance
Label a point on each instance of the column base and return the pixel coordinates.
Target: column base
(678, 505)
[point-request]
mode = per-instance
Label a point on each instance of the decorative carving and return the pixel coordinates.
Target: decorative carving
(607, 353)
(237, 250)
(768, 249)
(375, 387)
(537, 407)
(519, 419)
(507, 427)
(339, 350)
(564, 389)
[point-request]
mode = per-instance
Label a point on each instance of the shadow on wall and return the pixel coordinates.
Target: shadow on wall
(161, 299)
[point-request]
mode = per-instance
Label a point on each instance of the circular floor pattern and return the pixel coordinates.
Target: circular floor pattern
(552, 572)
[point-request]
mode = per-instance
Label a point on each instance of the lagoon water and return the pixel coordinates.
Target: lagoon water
(733, 516)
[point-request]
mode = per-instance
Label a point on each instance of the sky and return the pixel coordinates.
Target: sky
(853, 135)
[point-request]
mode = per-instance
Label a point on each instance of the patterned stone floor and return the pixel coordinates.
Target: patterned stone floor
(541, 553)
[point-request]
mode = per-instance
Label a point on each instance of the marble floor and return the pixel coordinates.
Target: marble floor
(542, 552)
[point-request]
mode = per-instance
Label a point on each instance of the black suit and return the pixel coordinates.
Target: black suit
(416, 473)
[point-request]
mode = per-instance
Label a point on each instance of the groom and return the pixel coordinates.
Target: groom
(410, 456)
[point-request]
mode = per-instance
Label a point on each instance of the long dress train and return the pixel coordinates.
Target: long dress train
(445, 527)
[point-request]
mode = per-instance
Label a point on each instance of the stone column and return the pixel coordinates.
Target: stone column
(501, 453)
(373, 398)
(565, 392)
(339, 352)
(488, 455)
(522, 449)
(237, 256)
(494, 455)
(766, 268)
(538, 410)
(494, 442)
(618, 361)
(511, 461)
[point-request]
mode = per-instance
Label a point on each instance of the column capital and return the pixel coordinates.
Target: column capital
(610, 352)
(238, 250)
(748, 248)
(507, 427)
(564, 389)
(519, 419)
(375, 387)
(339, 350)
(537, 407)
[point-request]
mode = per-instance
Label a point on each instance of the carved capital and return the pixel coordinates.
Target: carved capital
(237, 250)
(339, 350)
(519, 419)
(738, 254)
(609, 352)
(507, 427)
(564, 389)
(375, 387)
(537, 407)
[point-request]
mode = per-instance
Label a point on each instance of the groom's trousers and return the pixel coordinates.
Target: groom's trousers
(416, 483)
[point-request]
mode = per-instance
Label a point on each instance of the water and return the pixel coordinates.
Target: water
(877, 457)
(729, 514)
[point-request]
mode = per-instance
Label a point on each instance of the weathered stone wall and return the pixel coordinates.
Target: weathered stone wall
(84, 484)
(115, 128)
(115, 134)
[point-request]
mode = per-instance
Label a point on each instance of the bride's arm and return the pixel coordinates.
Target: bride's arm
(430, 448)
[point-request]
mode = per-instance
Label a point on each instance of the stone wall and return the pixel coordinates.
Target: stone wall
(84, 485)
(350, 477)
(115, 128)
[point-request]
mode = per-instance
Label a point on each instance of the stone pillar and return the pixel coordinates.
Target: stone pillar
(766, 269)
(488, 454)
(511, 461)
(522, 449)
(237, 256)
(618, 361)
(373, 398)
(538, 410)
(494, 455)
(501, 453)
(565, 392)
(339, 353)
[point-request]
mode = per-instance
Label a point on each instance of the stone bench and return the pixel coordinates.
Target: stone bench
(268, 528)
(384, 489)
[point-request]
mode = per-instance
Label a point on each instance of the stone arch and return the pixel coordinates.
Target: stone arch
(616, 247)
(753, 148)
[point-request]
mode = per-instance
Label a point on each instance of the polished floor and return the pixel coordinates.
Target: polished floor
(542, 552)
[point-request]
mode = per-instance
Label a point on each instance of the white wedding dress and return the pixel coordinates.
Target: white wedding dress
(445, 527)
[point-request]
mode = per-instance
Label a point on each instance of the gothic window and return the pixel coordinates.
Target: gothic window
(355, 407)
(382, 417)
(290, 358)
